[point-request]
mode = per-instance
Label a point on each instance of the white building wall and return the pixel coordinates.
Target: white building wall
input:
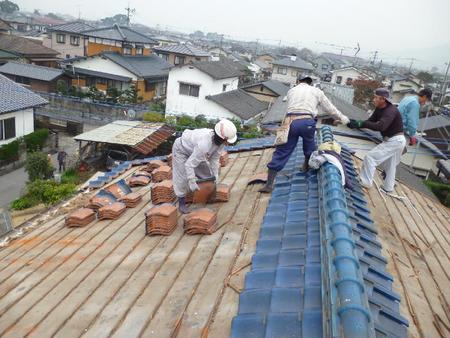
(177, 104)
(24, 120)
(346, 73)
(66, 48)
(99, 64)
(290, 77)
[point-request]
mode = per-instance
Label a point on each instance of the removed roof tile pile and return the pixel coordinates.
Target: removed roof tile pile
(162, 173)
(200, 222)
(163, 192)
(101, 199)
(154, 164)
(112, 211)
(139, 181)
(119, 189)
(80, 217)
(161, 220)
(131, 200)
(224, 159)
(222, 193)
(202, 196)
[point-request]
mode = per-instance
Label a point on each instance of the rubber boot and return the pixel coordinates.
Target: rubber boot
(305, 166)
(270, 180)
(182, 205)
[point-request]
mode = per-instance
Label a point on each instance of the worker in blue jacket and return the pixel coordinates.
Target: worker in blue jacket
(409, 108)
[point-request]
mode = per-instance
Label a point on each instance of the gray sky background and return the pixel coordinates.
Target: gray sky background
(396, 28)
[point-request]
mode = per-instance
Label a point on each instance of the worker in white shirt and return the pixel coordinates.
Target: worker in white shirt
(196, 155)
(303, 103)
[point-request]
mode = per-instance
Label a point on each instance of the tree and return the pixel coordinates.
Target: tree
(213, 36)
(36, 12)
(306, 54)
(8, 6)
(38, 166)
(289, 51)
(119, 19)
(130, 95)
(95, 94)
(425, 77)
(364, 91)
(198, 35)
(53, 16)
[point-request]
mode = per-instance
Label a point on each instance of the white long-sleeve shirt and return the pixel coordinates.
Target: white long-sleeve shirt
(306, 98)
(199, 145)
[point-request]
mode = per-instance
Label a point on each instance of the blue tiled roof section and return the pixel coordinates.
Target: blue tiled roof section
(252, 144)
(293, 289)
(283, 293)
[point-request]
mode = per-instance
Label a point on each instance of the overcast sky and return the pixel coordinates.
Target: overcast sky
(394, 28)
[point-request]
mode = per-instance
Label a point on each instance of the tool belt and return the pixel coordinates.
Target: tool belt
(283, 131)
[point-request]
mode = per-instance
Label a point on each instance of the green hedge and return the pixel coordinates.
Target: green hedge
(36, 140)
(9, 151)
(441, 190)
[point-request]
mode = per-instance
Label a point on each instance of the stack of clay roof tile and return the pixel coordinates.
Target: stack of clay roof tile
(162, 173)
(139, 180)
(224, 159)
(111, 211)
(101, 199)
(131, 200)
(80, 217)
(119, 189)
(161, 220)
(222, 193)
(163, 192)
(169, 160)
(154, 164)
(202, 196)
(201, 221)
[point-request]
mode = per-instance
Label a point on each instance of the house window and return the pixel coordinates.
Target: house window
(163, 88)
(61, 38)
(338, 79)
(224, 87)
(139, 50)
(74, 40)
(324, 66)
(179, 60)
(282, 70)
(165, 57)
(7, 128)
(23, 80)
(189, 89)
(294, 73)
(127, 50)
(101, 81)
(349, 81)
(149, 87)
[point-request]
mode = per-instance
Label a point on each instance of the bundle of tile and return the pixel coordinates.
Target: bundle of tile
(131, 200)
(112, 211)
(119, 189)
(200, 222)
(142, 173)
(224, 159)
(154, 164)
(80, 217)
(163, 192)
(162, 173)
(138, 181)
(161, 220)
(169, 160)
(222, 193)
(101, 199)
(202, 196)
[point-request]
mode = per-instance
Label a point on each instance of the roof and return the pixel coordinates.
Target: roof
(31, 71)
(91, 72)
(239, 103)
(24, 46)
(277, 87)
(262, 64)
(298, 63)
(14, 97)
(433, 122)
(8, 55)
(276, 112)
(218, 69)
(143, 137)
(119, 33)
(4, 26)
(351, 67)
(143, 66)
(71, 27)
(183, 49)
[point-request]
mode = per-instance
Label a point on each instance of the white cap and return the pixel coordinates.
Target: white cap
(226, 130)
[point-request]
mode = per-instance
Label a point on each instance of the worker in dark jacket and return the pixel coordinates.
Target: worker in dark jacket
(388, 121)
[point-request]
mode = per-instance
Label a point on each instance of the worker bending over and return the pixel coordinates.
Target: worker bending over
(196, 155)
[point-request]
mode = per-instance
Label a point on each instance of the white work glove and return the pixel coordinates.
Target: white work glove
(344, 120)
(193, 186)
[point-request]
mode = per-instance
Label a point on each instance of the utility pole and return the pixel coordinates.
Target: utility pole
(256, 47)
(444, 85)
(374, 57)
(130, 12)
(221, 41)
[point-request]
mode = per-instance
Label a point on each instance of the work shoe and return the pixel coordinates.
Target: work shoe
(305, 166)
(270, 180)
(182, 205)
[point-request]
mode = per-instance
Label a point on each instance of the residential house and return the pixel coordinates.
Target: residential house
(324, 65)
(117, 38)
(288, 69)
(402, 85)
(17, 106)
(181, 54)
(37, 78)
(68, 39)
(341, 60)
(345, 76)
(265, 69)
(267, 58)
(218, 52)
(437, 130)
(164, 40)
(148, 73)
(267, 91)
(189, 85)
(5, 28)
(14, 47)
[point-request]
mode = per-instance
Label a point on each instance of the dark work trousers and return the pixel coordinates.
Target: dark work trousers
(304, 128)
